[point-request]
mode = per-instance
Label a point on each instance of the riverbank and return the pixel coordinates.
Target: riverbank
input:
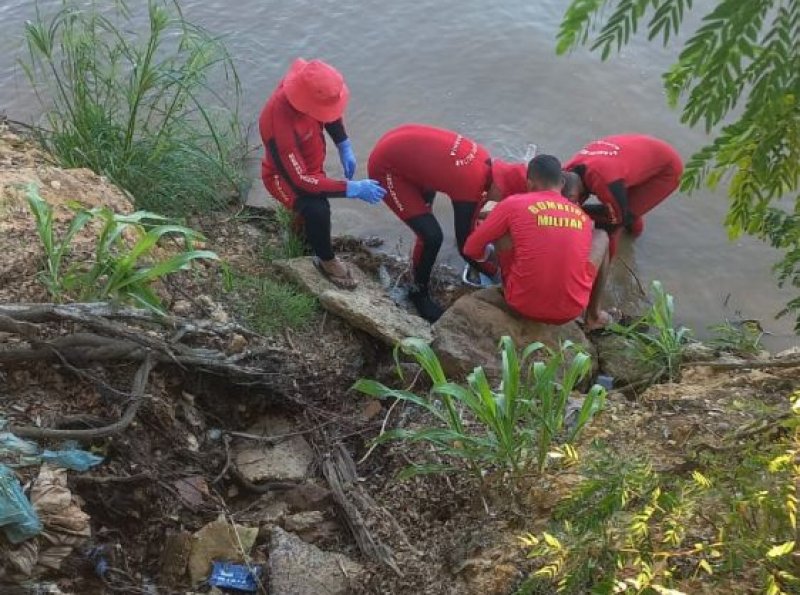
(260, 430)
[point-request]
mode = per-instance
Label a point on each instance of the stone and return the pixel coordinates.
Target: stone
(469, 332)
(299, 568)
(303, 521)
(619, 359)
(698, 352)
(367, 308)
(175, 557)
(307, 496)
(791, 352)
(219, 540)
(237, 344)
(286, 460)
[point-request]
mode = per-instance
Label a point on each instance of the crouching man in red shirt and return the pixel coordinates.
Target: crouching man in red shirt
(630, 174)
(553, 261)
(413, 162)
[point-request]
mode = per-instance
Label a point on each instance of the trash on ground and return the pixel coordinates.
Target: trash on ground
(234, 576)
(17, 517)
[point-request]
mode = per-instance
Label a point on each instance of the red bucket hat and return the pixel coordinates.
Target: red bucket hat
(510, 178)
(316, 89)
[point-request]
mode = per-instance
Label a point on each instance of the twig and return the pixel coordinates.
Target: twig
(634, 275)
(106, 479)
(279, 437)
(137, 392)
(383, 430)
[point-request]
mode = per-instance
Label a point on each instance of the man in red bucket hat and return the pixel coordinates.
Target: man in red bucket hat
(312, 96)
(413, 162)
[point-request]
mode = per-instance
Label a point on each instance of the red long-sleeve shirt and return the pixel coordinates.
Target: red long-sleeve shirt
(611, 165)
(547, 273)
(434, 159)
(294, 147)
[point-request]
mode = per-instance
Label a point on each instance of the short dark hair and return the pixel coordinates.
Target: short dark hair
(545, 169)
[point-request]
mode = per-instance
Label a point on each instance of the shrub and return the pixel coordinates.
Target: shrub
(124, 263)
(139, 109)
(629, 529)
(743, 338)
(512, 427)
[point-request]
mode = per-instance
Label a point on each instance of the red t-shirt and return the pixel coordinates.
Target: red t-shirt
(434, 159)
(547, 274)
(294, 148)
(629, 158)
(510, 178)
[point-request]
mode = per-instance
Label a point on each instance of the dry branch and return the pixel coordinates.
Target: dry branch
(137, 394)
(358, 506)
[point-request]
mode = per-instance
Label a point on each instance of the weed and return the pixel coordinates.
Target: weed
(292, 244)
(512, 427)
(741, 338)
(140, 110)
(657, 340)
(125, 261)
(269, 305)
(629, 529)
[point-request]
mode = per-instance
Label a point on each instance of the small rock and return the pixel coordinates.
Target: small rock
(371, 409)
(219, 540)
(175, 557)
(303, 521)
(698, 352)
(791, 352)
(219, 315)
(182, 308)
(307, 496)
(192, 490)
(289, 459)
(298, 568)
(55, 185)
(237, 344)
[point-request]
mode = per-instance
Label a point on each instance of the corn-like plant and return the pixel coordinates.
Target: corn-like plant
(124, 263)
(144, 109)
(662, 343)
(512, 426)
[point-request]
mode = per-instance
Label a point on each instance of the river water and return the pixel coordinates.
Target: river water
(488, 70)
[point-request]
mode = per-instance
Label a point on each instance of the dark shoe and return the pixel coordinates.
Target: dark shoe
(426, 307)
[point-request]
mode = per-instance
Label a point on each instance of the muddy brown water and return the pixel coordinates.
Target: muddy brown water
(489, 71)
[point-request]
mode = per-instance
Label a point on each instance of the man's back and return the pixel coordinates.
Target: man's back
(547, 274)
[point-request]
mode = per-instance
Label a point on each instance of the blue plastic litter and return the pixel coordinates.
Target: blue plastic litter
(17, 517)
(234, 576)
(71, 457)
(97, 555)
(607, 382)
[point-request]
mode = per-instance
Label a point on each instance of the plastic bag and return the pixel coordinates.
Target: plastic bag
(71, 457)
(17, 517)
(234, 576)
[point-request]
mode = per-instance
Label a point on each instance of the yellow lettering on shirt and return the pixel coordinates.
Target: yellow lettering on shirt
(574, 217)
(533, 209)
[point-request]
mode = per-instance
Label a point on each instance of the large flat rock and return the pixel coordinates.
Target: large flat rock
(367, 308)
(469, 332)
(299, 568)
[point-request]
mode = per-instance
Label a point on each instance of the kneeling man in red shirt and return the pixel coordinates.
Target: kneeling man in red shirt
(553, 262)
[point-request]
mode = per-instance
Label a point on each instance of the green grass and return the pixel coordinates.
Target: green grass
(270, 305)
(140, 109)
(740, 338)
(291, 244)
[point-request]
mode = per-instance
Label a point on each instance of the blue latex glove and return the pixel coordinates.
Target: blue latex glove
(367, 190)
(347, 157)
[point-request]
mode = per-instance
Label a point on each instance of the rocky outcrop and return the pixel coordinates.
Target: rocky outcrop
(367, 308)
(298, 568)
(620, 359)
(469, 332)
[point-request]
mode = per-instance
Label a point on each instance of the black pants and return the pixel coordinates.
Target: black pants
(316, 213)
(430, 238)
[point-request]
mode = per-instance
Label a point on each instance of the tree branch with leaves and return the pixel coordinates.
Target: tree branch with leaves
(745, 56)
